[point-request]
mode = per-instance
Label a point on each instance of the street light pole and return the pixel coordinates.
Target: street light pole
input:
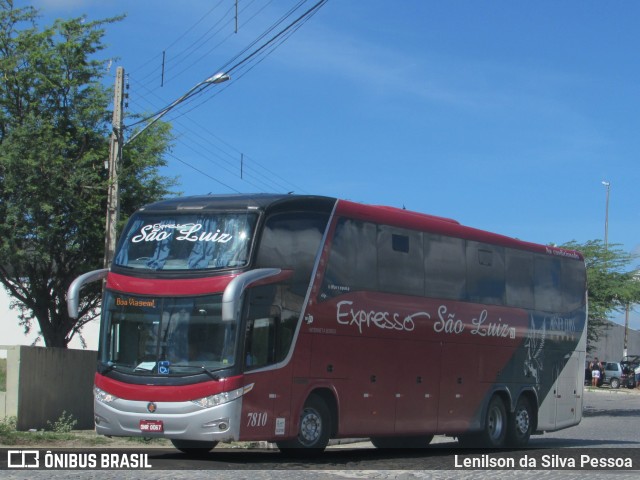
(212, 80)
(117, 144)
(606, 217)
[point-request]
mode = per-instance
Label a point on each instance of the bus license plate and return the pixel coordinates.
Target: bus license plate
(152, 426)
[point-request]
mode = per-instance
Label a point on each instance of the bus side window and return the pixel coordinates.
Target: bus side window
(268, 336)
(353, 261)
(547, 272)
(400, 261)
(485, 273)
(519, 272)
(573, 285)
(445, 267)
(291, 241)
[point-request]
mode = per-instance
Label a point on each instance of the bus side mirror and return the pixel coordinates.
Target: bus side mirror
(231, 298)
(73, 294)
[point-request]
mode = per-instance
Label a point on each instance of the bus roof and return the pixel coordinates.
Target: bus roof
(374, 213)
(260, 201)
(443, 226)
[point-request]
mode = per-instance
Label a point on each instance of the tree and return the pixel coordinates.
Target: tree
(610, 280)
(54, 137)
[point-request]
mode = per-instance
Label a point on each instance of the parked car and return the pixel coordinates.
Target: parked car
(613, 374)
(619, 374)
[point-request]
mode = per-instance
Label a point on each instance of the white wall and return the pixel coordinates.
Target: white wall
(11, 333)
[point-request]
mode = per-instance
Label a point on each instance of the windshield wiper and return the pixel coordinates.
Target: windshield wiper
(210, 373)
(201, 367)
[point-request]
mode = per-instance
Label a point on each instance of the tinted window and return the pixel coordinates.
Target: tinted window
(485, 273)
(400, 261)
(291, 241)
(574, 284)
(269, 329)
(353, 259)
(445, 267)
(519, 272)
(547, 284)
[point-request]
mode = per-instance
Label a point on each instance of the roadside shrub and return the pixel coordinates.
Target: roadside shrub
(7, 425)
(64, 424)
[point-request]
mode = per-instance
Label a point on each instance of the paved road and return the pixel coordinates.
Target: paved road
(610, 427)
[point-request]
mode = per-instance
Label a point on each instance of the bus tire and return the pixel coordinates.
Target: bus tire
(313, 431)
(418, 441)
(520, 423)
(494, 431)
(193, 447)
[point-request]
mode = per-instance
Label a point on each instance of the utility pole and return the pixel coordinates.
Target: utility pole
(115, 155)
(625, 350)
(606, 217)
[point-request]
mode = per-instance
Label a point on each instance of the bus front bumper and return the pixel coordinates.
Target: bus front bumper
(174, 420)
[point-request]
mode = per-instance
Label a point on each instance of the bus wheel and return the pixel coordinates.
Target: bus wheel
(520, 424)
(421, 441)
(495, 425)
(313, 431)
(193, 447)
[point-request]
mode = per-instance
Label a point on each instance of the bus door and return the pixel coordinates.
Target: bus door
(568, 391)
(265, 408)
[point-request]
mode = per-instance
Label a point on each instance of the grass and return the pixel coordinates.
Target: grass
(9, 436)
(61, 434)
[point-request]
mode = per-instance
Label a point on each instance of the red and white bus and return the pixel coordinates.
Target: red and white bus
(297, 319)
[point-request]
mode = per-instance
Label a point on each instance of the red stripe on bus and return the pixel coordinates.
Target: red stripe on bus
(167, 393)
(170, 286)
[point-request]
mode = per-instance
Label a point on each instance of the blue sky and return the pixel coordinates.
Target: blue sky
(506, 116)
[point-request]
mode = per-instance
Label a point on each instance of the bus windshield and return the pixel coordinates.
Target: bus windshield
(186, 241)
(166, 336)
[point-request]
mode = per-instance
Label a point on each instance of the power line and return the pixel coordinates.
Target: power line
(209, 142)
(306, 14)
(269, 47)
(215, 7)
(243, 66)
(203, 173)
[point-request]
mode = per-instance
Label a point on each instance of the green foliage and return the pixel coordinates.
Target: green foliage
(10, 436)
(64, 424)
(66, 439)
(610, 280)
(54, 140)
(7, 426)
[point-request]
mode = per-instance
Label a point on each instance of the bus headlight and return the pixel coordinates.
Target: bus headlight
(102, 396)
(222, 398)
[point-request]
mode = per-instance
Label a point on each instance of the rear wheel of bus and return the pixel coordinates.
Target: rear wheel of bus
(520, 423)
(494, 431)
(314, 429)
